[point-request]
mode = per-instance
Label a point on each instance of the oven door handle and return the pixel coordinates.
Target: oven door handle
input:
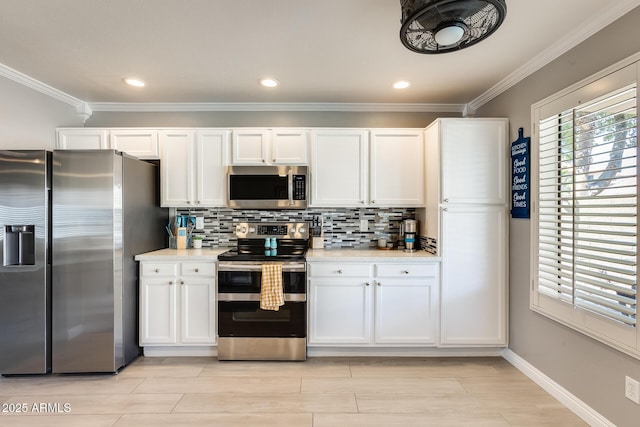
(239, 266)
(233, 297)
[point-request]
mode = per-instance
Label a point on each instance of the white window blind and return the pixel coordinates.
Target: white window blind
(587, 205)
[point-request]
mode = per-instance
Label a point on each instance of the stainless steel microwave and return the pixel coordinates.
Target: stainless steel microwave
(268, 187)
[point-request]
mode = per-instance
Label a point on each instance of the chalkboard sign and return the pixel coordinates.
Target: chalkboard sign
(520, 167)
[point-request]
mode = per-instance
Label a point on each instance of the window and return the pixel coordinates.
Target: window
(586, 212)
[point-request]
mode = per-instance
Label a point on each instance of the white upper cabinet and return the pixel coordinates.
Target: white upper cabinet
(357, 167)
(339, 167)
(82, 139)
(193, 168)
(269, 146)
(177, 168)
(211, 167)
(289, 146)
(250, 147)
(397, 167)
(140, 143)
(474, 163)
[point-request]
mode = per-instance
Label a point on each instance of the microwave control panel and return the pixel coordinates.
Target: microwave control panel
(299, 187)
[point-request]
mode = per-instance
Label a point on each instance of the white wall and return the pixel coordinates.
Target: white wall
(28, 118)
(592, 371)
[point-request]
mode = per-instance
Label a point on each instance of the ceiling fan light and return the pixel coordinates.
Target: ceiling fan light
(449, 35)
(269, 82)
(131, 81)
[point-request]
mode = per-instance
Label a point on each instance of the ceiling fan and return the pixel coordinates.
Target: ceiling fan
(440, 26)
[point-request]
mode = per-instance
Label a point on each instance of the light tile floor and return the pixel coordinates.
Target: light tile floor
(319, 392)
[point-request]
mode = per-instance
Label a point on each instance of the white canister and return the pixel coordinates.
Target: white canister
(382, 242)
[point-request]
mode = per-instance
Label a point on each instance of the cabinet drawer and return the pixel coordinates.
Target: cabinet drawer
(339, 270)
(407, 270)
(198, 269)
(151, 269)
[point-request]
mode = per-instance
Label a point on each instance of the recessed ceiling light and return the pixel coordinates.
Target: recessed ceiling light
(134, 82)
(269, 82)
(401, 84)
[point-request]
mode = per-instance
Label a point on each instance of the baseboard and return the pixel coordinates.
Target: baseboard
(177, 351)
(401, 352)
(575, 405)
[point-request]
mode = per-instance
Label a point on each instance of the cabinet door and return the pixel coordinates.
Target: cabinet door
(211, 167)
(289, 146)
(406, 310)
(140, 143)
(474, 160)
(474, 276)
(177, 168)
(397, 167)
(250, 147)
(198, 310)
(158, 310)
(339, 169)
(340, 311)
(82, 139)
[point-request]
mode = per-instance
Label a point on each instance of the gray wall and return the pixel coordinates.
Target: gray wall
(28, 119)
(590, 370)
(264, 119)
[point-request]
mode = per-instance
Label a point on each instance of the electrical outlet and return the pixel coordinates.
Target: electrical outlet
(364, 225)
(632, 390)
(199, 223)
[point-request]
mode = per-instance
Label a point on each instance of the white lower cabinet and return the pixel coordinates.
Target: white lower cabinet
(177, 303)
(381, 304)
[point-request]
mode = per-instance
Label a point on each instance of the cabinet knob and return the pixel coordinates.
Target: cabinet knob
(188, 202)
(197, 270)
(197, 202)
(182, 282)
(373, 201)
(274, 160)
(367, 283)
(339, 271)
(362, 201)
(171, 282)
(446, 200)
(379, 284)
(157, 270)
(405, 272)
(264, 161)
(446, 209)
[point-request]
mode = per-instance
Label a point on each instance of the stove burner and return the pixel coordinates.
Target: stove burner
(253, 248)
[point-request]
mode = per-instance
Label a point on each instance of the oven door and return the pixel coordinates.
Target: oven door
(247, 319)
(246, 278)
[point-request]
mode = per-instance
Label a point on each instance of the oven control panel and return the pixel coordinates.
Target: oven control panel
(279, 230)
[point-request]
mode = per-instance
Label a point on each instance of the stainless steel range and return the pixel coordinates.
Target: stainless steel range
(245, 331)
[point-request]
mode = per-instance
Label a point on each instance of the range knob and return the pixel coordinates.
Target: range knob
(252, 230)
(242, 229)
(301, 230)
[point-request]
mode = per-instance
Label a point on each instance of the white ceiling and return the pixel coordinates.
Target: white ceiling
(321, 51)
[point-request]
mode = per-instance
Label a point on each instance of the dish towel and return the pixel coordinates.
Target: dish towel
(271, 294)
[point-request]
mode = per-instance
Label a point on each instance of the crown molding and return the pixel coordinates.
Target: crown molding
(276, 106)
(609, 14)
(36, 85)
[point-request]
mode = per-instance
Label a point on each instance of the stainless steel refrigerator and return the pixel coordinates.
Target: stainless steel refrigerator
(25, 275)
(105, 211)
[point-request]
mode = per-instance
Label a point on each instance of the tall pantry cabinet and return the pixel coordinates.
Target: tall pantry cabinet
(467, 215)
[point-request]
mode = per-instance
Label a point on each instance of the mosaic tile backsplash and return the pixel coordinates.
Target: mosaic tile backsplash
(341, 226)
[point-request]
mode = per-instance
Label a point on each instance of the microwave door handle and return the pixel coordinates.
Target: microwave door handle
(290, 186)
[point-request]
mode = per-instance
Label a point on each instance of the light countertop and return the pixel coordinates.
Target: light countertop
(337, 254)
(347, 254)
(205, 254)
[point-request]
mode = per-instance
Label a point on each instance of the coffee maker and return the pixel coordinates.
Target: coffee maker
(410, 229)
